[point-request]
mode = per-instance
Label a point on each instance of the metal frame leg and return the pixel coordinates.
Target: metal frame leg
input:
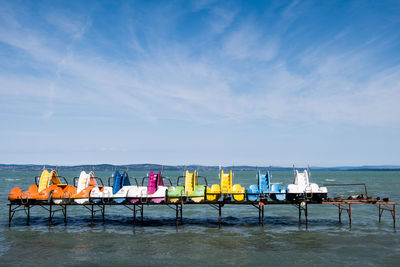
(347, 209)
(65, 213)
(103, 211)
(262, 215)
(305, 208)
(134, 215)
(349, 212)
(219, 215)
(181, 210)
(9, 215)
(28, 214)
(92, 213)
(390, 207)
(177, 215)
(299, 214)
(50, 214)
(306, 213)
(141, 214)
(394, 215)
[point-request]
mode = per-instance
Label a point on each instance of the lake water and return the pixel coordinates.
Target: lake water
(199, 241)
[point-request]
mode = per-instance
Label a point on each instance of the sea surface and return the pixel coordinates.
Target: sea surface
(199, 241)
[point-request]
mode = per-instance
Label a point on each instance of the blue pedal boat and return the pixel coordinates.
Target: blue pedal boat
(120, 181)
(265, 189)
(115, 193)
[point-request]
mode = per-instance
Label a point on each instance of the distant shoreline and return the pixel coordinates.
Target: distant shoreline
(143, 167)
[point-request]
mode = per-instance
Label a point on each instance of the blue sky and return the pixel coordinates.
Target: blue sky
(200, 82)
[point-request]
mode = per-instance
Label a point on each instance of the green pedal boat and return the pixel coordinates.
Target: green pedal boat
(191, 191)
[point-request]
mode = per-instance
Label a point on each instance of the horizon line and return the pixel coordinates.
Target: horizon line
(202, 165)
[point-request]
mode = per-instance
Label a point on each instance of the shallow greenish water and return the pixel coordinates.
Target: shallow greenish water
(199, 241)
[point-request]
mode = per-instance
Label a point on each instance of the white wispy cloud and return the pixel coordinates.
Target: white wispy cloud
(169, 82)
(246, 42)
(222, 18)
(73, 25)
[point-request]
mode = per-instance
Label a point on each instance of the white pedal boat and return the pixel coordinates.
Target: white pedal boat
(84, 185)
(303, 189)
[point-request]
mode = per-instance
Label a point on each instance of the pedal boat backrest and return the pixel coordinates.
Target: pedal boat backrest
(160, 181)
(190, 182)
(92, 179)
(54, 178)
(226, 181)
(155, 180)
(117, 185)
(125, 179)
(264, 182)
(301, 179)
(83, 181)
(44, 180)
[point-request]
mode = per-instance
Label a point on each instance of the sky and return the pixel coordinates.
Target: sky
(200, 82)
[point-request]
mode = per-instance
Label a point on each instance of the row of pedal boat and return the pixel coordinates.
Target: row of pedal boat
(49, 187)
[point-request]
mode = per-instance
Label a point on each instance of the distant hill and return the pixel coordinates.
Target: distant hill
(143, 167)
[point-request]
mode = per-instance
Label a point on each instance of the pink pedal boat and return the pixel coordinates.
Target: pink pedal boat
(154, 192)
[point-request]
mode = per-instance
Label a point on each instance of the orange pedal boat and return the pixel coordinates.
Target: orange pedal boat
(49, 188)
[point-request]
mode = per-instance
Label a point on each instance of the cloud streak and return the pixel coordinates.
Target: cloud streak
(247, 77)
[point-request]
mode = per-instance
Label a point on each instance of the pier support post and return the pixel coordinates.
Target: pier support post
(306, 213)
(344, 206)
(141, 214)
(219, 215)
(92, 212)
(134, 215)
(380, 212)
(262, 215)
(103, 210)
(299, 214)
(28, 215)
(394, 215)
(64, 211)
(50, 214)
(9, 215)
(303, 206)
(177, 214)
(181, 210)
(349, 214)
(389, 207)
